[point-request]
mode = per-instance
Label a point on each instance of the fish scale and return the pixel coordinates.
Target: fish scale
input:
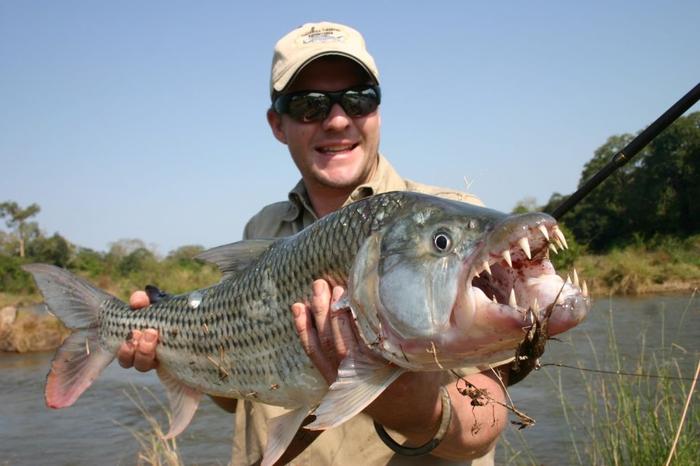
(228, 342)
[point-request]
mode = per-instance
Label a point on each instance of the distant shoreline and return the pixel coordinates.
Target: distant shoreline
(28, 330)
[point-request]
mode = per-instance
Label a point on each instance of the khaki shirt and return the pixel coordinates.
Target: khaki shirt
(355, 441)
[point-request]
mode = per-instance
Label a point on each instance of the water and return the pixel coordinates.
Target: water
(642, 326)
(87, 434)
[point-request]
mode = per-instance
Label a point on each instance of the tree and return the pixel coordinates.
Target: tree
(671, 179)
(656, 193)
(525, 205)
(18, 220)
(54, 250)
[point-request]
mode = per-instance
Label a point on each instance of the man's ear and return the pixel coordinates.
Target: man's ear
(274, 119)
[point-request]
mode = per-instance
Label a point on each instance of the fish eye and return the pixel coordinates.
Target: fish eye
(442, 241)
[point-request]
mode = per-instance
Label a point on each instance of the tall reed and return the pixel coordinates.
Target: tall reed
(632, 408)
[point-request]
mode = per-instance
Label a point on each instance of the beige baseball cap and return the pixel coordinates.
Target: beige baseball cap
(311, 41)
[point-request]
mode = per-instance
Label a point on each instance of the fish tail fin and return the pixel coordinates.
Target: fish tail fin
(80, 359)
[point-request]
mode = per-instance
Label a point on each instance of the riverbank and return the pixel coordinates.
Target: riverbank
(24, 330)
(671, 267)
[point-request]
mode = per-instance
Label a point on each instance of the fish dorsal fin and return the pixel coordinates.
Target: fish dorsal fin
(280, 432)
(361, 379)
(183, 402)
(234, 257)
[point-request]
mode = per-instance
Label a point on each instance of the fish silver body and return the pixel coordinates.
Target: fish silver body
(432, 284)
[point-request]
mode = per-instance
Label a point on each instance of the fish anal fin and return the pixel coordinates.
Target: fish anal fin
(280, 432)
(184, 401)
(78, 362)
(361, 379)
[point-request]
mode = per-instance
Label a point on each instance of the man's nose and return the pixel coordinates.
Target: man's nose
(337, 119)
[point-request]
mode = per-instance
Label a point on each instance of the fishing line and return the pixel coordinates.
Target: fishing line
(601, 371)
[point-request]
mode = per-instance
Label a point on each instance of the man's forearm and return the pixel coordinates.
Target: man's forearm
(412, 407)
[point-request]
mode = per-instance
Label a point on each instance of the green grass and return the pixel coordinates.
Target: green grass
(661, 265)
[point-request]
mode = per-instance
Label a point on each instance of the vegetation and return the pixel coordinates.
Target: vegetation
(639, 231)
(127, 266)
(632, 412)
(17, 219)
(651, 196)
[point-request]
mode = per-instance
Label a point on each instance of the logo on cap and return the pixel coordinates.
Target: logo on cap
(322, 35)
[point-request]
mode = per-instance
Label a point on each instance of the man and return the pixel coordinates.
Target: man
(325, 98)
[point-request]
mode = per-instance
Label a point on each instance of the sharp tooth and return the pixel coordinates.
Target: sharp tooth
(535, 306)
(584, 289)
(493, 298)
(487, 267)
(557, 232)
(568, 279)
(506, 256)
(543, 230)
(553, 248)
(525, 245)
(476, 274)
(465, 317)
(558, 243)
(576, 278)
(511, 299)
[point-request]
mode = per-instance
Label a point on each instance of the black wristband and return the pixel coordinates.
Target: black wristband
(432, 443)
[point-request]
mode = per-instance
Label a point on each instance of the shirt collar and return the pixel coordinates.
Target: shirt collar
(385, 179)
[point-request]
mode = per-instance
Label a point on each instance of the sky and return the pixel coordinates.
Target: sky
(147, 119)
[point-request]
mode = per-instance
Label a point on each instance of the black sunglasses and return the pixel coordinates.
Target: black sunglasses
(308, 106)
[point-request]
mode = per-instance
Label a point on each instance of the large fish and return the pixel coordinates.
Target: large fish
(421, 273)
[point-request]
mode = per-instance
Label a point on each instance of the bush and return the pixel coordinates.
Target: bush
(12, 278)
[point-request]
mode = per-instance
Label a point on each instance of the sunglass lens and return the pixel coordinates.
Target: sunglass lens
(309, 107)
(359, 102)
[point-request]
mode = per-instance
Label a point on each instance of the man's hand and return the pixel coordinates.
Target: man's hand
(411, 405)
(139, 351)
(326, 336)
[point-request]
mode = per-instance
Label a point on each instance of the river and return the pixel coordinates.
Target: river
(88, 432)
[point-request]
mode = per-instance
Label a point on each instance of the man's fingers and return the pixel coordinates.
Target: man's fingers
(303, 322)
(145, 354)
(138, 300)
(320, 309)
(126, 352)
(341, 327)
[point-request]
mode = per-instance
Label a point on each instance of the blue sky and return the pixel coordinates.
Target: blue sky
(147, 119)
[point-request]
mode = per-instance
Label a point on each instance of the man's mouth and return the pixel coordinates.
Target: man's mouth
(336, 148)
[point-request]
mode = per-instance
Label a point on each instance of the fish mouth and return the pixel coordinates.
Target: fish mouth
(510, 281)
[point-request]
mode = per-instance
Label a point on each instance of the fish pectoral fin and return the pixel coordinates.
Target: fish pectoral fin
(234, 257)
(183, 402)
(280, 432)
(361, 379)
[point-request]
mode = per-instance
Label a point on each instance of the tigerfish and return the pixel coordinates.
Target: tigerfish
(431, 283)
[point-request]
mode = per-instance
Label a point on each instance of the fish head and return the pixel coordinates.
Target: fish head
(450, 284)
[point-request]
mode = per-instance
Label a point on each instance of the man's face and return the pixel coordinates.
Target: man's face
(339, 152)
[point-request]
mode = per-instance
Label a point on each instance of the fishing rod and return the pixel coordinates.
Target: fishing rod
(630, 150)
